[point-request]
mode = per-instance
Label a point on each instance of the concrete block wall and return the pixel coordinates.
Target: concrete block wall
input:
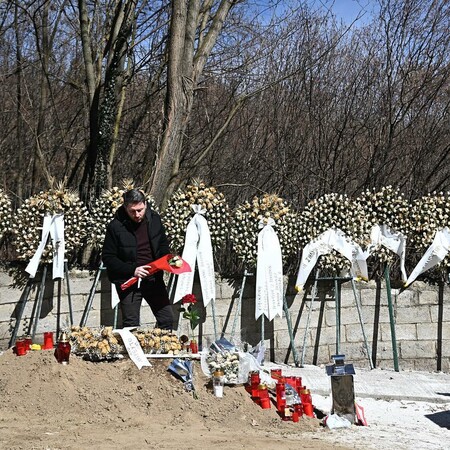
(421, 313)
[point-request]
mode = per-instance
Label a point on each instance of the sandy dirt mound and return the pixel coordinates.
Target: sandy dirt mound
(45, 405)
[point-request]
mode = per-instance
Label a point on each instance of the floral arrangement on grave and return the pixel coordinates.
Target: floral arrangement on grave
(5, 214)
(225, 361)
(29, 219)
(246, 226)
(385, 206)
(179, 213)
(334, 211)
(191, 313)
(104, 208)
(428, 215)
(98, 344)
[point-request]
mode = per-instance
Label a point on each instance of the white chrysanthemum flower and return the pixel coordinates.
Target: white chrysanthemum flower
(334, 211)
(428, 215)
(30, 216)
(245, 227)
(387, 206)
(179, 213)
(5, 214)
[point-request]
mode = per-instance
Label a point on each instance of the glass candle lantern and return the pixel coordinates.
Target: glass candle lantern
(218, 382)
(63, 349)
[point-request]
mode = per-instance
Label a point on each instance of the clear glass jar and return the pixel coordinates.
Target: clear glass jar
(218, 383)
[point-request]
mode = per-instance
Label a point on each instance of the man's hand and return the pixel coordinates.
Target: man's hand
(142, 271)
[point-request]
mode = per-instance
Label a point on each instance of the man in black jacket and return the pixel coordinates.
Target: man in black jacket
(134, 238)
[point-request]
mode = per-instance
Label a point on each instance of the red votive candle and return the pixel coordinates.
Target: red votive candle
(281, 397)
(21, 348)
(298, 384)
(306, 398)
(28, 342)
(62, 351)
(254, 378)
(290, 380)
(265, 403)
(194, 346)
(48, 340)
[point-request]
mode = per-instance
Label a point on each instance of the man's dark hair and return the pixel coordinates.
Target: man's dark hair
(133, 196)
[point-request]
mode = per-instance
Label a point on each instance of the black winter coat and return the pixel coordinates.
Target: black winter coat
(119, 248)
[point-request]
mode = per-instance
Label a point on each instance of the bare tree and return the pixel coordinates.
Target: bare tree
(194, 29)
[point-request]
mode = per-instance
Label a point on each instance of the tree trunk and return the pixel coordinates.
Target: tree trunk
(185, 65)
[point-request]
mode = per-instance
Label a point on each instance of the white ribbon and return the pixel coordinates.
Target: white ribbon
(332, 239)
(269, 273)
(392, 240)
(197, 246)
(133, 347)
(53, 225)
(436, 252)
(115, 300)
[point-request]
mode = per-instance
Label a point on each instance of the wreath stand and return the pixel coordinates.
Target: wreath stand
(387, 278)
(286, 313)
(90, 300)
(36, 312)
(338, 281)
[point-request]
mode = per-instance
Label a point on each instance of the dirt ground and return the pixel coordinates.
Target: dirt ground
(109, 405)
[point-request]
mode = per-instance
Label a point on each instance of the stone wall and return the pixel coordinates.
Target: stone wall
(422, 320)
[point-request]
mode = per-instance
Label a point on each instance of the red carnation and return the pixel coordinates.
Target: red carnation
(188, 298)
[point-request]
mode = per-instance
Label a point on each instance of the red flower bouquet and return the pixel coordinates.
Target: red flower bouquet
(170, 263)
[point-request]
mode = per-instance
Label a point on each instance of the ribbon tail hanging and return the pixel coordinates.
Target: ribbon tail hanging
(58, 242)
(33, 265)
(205, 261)
(185, 280)
(269, 275)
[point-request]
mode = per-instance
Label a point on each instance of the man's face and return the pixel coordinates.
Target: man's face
(136, 211)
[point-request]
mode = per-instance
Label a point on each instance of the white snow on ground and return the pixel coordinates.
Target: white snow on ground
(393, 424)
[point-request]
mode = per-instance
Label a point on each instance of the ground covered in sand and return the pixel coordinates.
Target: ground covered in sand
(108, 405)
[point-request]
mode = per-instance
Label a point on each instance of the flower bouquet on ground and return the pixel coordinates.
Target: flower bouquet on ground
(191, 313)
(235, 364)
(183, 370)
(170, 263)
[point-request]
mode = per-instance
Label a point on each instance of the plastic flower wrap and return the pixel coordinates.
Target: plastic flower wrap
(179, 213)
(227, 361)
(104, 208)
(232, 361)
(5, 214)
(30, 216)
(428, 215)
(245, 227)
(386, 206)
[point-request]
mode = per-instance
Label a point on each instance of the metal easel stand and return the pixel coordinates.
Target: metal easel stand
(337, 297)
(387, 278)
(291, 334)
(37, 307)
(308, 318)
(238, 306)
(213, 312)
(88, 306)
